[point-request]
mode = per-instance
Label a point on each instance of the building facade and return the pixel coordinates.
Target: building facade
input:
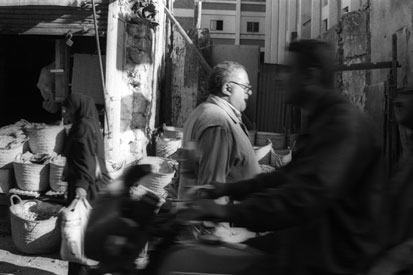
(231, 22)
(270, 24)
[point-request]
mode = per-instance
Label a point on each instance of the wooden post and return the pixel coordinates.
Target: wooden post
(197, 14)
(315, 18)
(112, 95)
(204, 63)
(61, 70)
(238, 22)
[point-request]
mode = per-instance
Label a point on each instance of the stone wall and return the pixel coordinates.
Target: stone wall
(350, 40)
(187, 85)
(139, 72)
(388, 18)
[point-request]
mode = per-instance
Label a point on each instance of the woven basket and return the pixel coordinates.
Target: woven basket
(278, 140)
(46, 140)
(263, 159)
(33, 237)
(165, 147)
(7, 156)
(280, 158)
(161, 176)
(172, 132)
(55, 178)
(31, 176)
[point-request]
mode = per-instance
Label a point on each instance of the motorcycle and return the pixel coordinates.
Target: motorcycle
(122, 225)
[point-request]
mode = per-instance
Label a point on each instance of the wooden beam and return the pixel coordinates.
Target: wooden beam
(71, 3)
(367, 66)
(113, 94)
(197, 14)
(315, 18)
(237, 22)
(61, 70)
(204, 63)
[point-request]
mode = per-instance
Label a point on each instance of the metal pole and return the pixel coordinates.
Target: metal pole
(392, 94)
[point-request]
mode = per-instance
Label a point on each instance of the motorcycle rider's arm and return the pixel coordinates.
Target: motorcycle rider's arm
(309, 185)
(243, 189)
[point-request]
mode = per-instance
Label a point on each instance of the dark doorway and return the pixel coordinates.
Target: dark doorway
(21, 60)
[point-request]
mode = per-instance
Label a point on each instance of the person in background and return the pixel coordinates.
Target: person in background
(223, 148)
(84, 145)
(322, 212)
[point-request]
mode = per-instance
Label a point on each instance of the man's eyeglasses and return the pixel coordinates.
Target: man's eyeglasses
(247, 88)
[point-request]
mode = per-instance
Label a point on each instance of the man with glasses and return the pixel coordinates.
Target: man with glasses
(215, 126)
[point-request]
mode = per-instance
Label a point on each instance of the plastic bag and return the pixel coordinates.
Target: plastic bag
(74, 222)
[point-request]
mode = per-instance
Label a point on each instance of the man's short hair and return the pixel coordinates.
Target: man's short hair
(221, 74)
(318, 54)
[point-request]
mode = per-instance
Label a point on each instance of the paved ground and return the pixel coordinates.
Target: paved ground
(16, 263)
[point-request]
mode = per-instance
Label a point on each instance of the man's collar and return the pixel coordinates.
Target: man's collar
(228, 107)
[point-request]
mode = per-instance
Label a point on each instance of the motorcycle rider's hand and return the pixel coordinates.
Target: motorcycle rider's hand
(203, 210)
(213, 190)
(80, 193)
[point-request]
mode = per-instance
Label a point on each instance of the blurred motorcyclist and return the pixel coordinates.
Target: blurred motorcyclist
(321, 212)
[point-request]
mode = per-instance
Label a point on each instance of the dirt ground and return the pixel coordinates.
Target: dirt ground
(14, 262)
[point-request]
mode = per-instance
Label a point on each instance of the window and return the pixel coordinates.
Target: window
(325, 25)
(216, 25)
(253, 27)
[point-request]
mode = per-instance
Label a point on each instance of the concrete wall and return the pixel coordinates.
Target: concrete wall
(388, 18)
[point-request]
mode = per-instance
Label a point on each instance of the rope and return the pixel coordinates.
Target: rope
(102, 76)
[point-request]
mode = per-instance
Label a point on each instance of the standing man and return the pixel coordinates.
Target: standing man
(225, 150)
(221, 140)
(324, 207)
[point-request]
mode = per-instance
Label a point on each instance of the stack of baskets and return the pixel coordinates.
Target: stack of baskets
(168, 143)
(35, 177)
(162, 174)
(12, 143)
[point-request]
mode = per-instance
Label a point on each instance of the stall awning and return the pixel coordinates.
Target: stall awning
(71, 3)
(52, 17)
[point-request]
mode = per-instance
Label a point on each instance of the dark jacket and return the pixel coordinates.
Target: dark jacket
(325, 205)
(83, 143)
